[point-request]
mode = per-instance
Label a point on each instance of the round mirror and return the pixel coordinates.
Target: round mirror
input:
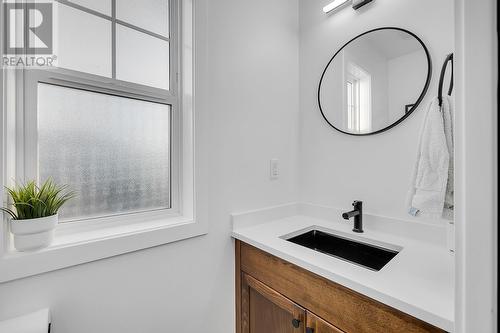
(374, 81)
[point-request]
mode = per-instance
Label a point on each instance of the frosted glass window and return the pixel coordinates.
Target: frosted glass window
(150, 15)
(141, 58)
(114, 151)
(83, 41)
(101, 6)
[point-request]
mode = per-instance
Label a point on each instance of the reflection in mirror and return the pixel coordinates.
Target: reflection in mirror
(374, 81)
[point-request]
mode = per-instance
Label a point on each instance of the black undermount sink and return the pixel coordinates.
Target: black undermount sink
(370, 256)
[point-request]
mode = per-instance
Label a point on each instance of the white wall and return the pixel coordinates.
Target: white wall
(477, 166)
(252, 116)
(335, 168)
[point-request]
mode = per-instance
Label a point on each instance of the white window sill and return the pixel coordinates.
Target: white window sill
(74, 246)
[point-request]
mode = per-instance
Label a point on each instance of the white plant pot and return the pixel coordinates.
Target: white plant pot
(33, 234)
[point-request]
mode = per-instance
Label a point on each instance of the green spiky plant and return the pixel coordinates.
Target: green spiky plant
(30, 201)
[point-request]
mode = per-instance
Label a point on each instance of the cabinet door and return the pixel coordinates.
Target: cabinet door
(315, 324)
(264, 310)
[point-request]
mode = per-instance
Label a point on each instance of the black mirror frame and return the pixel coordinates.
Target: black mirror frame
(415, 105)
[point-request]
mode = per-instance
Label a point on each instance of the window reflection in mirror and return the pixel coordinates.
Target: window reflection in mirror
(371, 81)
(358, 98)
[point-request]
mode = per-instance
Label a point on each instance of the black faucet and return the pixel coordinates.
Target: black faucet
(357, 213)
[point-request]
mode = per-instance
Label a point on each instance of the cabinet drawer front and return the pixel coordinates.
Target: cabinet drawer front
(349, 311)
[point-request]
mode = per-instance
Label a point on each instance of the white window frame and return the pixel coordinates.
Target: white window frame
(361, 112)
(27, 151)
(353, 105)
(98, 238)
(27, 161)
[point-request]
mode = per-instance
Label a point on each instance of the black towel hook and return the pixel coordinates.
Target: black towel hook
(449, 58)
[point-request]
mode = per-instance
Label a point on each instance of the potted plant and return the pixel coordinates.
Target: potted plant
(33, 216)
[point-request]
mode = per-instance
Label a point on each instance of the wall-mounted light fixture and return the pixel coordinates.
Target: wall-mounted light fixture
(334, 5)
(356, 4)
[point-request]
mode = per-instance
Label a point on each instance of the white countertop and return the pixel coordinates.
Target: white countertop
(418, 281)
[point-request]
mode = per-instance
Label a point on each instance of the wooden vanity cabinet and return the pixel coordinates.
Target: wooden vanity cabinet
(275, 296)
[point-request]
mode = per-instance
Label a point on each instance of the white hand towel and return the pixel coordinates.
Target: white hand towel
(449, 200)
(431, 173)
